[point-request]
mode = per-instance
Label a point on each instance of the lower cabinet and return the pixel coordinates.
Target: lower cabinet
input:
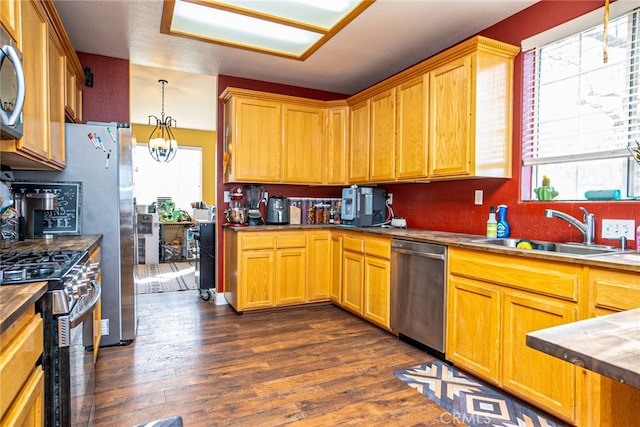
(335, 288)
(274, 269)
(493, 302)
(366, 277)
(22, 396)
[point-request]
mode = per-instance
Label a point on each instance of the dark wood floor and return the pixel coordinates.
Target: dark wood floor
(316, 366)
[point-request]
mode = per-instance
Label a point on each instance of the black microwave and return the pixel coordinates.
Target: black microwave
(12, 88)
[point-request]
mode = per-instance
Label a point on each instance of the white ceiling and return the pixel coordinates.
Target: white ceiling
(388, 37)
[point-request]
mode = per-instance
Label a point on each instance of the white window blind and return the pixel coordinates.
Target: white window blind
(580, 113)
(576, 107)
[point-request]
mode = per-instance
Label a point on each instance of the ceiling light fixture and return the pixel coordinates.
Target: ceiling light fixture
(288, 28)
(162, 144)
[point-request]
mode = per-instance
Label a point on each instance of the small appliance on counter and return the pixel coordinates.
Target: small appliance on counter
(278, 210)
(363, 206)
(254, 195)
(236, 213)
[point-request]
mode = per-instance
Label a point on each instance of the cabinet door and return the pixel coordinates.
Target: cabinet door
(28, 407)
(70, 96)
(612, 291)
(412, 138)
(352, 281)
(291, 276)
(473, 318)
(359, 143)
(336, 143)
(303, 144)
(530, 373)
(320, 272)
(10, 14)
(256, 280)
(257, 155)
(383, 137)
(377, 277)
(57, 84)
(450, 119)
(35, 140)
(336, 269)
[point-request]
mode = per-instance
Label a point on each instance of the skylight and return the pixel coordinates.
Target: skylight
(289, 28)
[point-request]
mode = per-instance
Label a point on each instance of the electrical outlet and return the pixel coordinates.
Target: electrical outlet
(104, 327)
(478, 197)
(227, 196)
(616, 228)
(266, 197)
(390, 198)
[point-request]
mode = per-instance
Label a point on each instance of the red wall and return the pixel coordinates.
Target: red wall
(108, 99)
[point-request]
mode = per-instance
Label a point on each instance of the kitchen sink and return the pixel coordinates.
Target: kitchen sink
(576, 249)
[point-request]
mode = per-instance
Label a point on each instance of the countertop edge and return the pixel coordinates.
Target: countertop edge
(576, 343)
(459, 240)
(16, 299)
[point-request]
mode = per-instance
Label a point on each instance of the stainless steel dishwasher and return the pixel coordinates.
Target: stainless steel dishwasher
(418, 292)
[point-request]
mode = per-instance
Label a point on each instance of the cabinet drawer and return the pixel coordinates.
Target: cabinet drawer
(615, 290)
(353, 244)
(291, 241)
(544, 277)
(18, 359)
(257, 241)
(379, 248)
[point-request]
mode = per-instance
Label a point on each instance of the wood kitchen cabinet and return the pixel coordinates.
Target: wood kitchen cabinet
(320, 265)
(471, 110)
(73, 95)
(252, 139)
(47, 58)
(95, 257)
(366, 277)
(267, 269)
(359, 137)
(493, 301)
(335, 293)
(337, 137)
(412, 138)
(22, 397)
(382, 152)
(10, 18)
(611, 291)
(56, 83)
(303, 161)
(290, 268)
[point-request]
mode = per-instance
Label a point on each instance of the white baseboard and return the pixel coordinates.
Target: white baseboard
(218, 298)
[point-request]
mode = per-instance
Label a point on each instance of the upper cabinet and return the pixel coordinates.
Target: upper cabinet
(48, 60)
(359, 134)
(448, 117)
(270, 138)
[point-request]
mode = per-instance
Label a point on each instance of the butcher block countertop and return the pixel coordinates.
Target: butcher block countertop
(625, 261)
(608, 345)
(79, 243)
(15, 299)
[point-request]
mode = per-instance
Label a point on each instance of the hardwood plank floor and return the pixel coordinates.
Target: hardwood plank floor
(315, 366)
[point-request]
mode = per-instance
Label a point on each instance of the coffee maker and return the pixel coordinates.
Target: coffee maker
(32, 208)
(254, 195)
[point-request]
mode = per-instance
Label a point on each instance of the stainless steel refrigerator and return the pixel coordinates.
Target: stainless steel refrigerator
(100, 155)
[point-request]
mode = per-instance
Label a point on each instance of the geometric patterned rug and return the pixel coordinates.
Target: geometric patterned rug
(165, 277)
(469, 400)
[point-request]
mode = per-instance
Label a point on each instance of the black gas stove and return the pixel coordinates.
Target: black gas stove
(37, 265)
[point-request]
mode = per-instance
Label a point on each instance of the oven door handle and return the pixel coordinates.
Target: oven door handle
(81, 317)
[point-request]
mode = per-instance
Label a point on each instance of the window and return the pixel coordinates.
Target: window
(581, 114)
(180, 179)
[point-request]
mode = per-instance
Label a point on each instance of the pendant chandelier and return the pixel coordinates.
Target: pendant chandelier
(162, 144)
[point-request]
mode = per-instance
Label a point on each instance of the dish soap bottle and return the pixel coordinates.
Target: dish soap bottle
(503, 226)
(492, 224)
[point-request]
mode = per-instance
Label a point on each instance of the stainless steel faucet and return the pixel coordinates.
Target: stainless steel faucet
(587, 227)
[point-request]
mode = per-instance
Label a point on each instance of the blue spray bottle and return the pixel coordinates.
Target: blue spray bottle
(503, 226)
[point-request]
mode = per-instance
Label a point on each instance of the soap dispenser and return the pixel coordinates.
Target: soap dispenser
(492, 224)
(504, 230)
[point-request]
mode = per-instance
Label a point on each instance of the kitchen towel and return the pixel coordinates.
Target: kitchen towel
(470, 401)
(165, 277)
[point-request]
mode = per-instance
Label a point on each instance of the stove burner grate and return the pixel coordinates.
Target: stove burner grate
(33, 265)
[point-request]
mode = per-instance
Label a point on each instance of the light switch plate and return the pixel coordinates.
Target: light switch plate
(104, 327)
(227, 196)
(478, 197)
(616, 228)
